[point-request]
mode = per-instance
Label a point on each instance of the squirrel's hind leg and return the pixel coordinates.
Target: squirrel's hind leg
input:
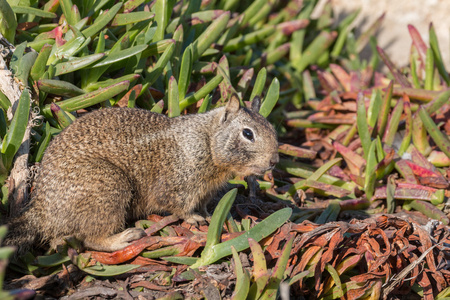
(97, 213)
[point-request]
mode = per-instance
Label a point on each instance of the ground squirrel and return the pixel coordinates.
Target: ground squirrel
(119, 164)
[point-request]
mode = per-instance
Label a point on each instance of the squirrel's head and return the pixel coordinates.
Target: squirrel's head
(245, 141)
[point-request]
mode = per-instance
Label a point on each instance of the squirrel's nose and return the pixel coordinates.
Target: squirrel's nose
(274, 160)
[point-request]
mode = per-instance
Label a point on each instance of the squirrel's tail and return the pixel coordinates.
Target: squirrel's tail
(22, 233)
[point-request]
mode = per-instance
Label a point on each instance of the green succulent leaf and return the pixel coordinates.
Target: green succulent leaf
(242, 278)
(201, 93)
(100, 22)
(33, 11)
(215, 251)
(59, 87)
(271, 98)
(209, 36)
(130, 18)
(77, 64)
(109, 270)
(173, 100)
(118, 56)
(89, 99)
(16, 131)
(8, 23)
(43, 143)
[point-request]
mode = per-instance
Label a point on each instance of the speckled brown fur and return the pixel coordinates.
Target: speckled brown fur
(116, 165)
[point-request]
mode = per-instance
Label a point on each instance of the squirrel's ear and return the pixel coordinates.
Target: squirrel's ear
(233, 104)
(231, 108)
(256, 104)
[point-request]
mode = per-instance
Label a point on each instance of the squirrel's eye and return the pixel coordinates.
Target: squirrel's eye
(248, 134)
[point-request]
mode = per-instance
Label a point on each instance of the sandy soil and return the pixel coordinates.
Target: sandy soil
(394, 37)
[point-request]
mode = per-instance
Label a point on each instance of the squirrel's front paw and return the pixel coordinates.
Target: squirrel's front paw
(195, 220)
